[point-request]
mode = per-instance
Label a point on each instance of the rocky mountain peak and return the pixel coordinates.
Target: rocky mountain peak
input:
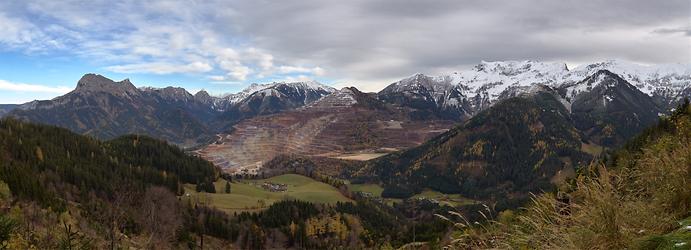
(175, 94)
(604, 78)
(202, 95)
(92, 83)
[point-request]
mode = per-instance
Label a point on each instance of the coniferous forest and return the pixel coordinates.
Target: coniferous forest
(75, 192)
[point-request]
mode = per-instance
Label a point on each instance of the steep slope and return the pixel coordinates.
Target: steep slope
(608, 109)
(106, 109)
(179, 98)
(514, 147)
(638, 199)
(666, 83)
(48, 156)
(271, 98)
(228, 100)
(99, 194)
(431, 97)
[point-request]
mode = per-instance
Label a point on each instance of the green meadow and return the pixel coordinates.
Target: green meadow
(248, 195)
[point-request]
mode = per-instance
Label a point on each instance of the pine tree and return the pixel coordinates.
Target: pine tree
(227, 187)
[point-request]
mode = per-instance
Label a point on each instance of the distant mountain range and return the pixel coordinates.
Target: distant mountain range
(465, 93)
(104, 108)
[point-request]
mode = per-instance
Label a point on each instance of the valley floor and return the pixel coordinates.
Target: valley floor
(249, 195)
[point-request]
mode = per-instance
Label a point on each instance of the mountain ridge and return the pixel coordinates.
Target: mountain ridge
(104, 103)
(104, 108)
(465, 93)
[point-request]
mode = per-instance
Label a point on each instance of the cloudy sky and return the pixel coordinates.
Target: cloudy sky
(222, 46)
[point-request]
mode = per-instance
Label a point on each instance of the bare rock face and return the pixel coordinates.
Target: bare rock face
(93, 83)
(204, 97)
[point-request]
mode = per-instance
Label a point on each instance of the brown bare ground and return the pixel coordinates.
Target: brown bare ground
(353, 133)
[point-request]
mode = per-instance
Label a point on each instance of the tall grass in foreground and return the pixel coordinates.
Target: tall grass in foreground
(640, 196)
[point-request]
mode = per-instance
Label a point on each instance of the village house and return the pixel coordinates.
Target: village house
(275, 187)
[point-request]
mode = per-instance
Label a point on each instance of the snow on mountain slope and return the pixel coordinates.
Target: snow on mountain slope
(305, 92)
(481, 86)
(254, 87)
(495, 77)
(663, 80)
(269, 89)
(425, 87)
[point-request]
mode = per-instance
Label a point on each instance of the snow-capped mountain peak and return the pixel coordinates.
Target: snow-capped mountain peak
(664, 80)
(493, 78)
(266, 89)
(479, 87)
(307, 92)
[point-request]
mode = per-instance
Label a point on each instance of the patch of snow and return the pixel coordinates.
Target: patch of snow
(269, 89)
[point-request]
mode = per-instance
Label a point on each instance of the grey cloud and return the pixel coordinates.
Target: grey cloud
(348, 38)
(372, 42)
(685, 31)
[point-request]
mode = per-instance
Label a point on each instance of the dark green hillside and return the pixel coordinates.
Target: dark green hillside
(513, 148)
(145, 151)
(48, 164)
(638, 199)
(68, 191)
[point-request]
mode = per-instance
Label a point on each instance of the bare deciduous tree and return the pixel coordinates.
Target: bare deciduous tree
(160, 217)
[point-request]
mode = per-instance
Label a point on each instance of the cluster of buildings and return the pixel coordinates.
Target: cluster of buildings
(275, 187)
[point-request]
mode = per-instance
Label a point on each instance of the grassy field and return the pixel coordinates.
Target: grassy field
(453, 199)
(248, 195)
(360, 156)
(376, 190)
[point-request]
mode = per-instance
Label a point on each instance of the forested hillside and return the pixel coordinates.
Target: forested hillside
(62, 177)
(46, 163)
(639, 198)
(513, 148)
